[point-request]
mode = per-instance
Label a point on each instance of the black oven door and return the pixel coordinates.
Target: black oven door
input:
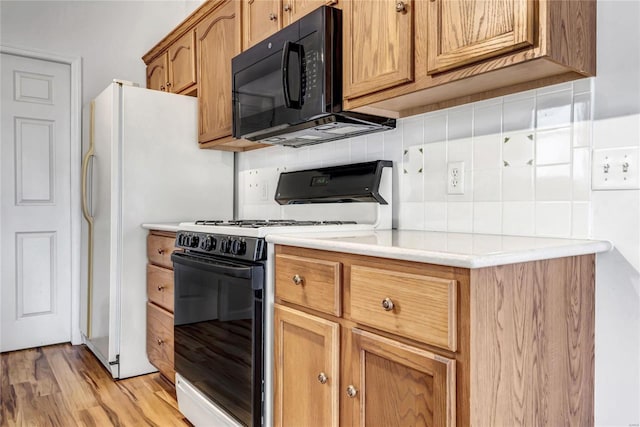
(218, 319)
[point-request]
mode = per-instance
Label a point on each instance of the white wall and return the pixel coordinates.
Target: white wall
(546, 137)
(110, 36)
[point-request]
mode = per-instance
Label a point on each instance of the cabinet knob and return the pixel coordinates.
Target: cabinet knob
(287, 7)
(322, 378)
(160, 250)
(297, 279)
(401, 7)
(160, 342)
(160, 288)
(387, 304)
(273, 16)
(162, 88)
(352, 391)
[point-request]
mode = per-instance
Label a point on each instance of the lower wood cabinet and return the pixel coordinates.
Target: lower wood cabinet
(419, 344)
(160, 246)
(307, 351)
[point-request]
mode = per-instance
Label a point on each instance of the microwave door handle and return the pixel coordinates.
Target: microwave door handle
(286, 53)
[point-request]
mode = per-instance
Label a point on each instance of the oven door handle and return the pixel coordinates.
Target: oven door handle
(214, 266)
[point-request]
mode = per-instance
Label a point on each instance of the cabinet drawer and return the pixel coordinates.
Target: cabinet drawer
(416, 306)
(313, 283)
(159, 249)
(160, 286)
(160, 340)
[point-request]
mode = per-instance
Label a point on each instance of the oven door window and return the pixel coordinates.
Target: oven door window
(217, 333)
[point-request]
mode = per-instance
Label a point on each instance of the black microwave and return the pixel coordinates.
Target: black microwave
(287, 89)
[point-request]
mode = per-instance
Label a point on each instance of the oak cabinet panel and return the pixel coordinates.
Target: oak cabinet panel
(182, 63)
(217, 41)
(310, 282)
(159, 249)
(160, 245)
(160, 286)
(396, 384)
(307, 349)
(292, 10)
(260, 19)
(158, 73)
(466, 31)
(160, 340)
(412, 305)
(378, 45)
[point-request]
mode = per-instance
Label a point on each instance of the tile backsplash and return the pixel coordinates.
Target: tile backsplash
(526, 165)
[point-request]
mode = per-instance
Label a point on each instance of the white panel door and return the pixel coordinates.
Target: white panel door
(35, 217)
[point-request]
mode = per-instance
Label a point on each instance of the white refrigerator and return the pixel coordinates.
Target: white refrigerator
(141, 164)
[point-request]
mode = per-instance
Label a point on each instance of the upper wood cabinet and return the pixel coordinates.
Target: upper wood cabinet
(378, 45)
(217, 41)
(261, 18)
(466, 31)
(182, 63)
(292, 10)
(158, 73)
(460, 51)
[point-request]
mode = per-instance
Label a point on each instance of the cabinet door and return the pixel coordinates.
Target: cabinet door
(466, 31)
(378, 45)
(260, 19)
(218, 40)
(306, 381)
(160, 340)
(157, 76)
(392, 384)
(292, 10)
(182, 63)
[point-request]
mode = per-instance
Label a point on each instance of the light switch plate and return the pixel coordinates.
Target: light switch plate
(455, 178)
(615, 169)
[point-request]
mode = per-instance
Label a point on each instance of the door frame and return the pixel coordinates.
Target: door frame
(75, 63)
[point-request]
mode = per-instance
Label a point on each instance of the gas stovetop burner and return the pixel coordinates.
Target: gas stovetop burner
(258, 223)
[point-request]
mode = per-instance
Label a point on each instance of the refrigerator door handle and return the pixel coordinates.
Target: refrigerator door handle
(86, 212)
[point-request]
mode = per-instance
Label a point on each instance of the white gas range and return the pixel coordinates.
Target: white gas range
(234, 258)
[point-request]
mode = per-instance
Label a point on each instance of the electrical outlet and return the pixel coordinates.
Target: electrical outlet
(615, 169)
(455, 178)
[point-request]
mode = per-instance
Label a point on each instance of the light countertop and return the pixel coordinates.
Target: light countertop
(452, 249)
(165, 226)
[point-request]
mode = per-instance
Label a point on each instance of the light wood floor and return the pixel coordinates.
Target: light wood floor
(65, 385)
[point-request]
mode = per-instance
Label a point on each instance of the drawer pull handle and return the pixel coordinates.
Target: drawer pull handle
(352, 391)
(160, 288)
(387, 304)
(297, 279)
(160, 251)
(322, 378)
(160, 342)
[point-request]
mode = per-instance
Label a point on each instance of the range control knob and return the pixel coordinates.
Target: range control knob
(208, 243)
(238, 247)
(225, 246)
(195, 240)
(180, 240)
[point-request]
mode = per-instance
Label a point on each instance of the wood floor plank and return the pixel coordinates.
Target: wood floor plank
(64, 385)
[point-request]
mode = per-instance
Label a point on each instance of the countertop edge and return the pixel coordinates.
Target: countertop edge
(172, 227)
(442, 258)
